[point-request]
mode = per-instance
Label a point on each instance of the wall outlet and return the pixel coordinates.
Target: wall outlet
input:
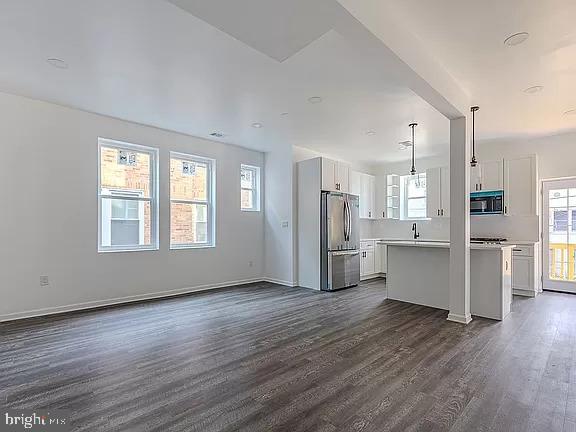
(284, 224)
(44, 281)
(250, 263)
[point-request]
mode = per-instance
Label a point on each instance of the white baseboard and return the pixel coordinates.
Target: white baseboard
(278, 281)
(121, 300)
(462, 319)
(525, 293)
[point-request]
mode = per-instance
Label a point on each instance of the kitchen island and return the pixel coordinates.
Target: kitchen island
(418, 272)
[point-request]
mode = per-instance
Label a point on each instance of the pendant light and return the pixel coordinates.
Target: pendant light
(473, 161)
(413, 169)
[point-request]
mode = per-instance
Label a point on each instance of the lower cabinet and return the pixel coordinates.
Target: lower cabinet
(367, 263)
(525, 271)
(373, 260)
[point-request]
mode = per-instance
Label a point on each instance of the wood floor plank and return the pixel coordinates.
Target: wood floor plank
(262, 357)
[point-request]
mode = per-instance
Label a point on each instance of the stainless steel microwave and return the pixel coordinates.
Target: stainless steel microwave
(487, 203)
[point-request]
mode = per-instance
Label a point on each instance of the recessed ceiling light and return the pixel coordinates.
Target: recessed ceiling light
(57, 63)
(217, 134)
(370, 133)
(516, 39)
(533, 89)
(284, 114)
(257, 125)
(570, 112)
(315, 99)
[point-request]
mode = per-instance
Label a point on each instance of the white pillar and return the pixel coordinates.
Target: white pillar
(459, 223)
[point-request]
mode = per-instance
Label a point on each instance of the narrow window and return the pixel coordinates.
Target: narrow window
(127, 197)
(249, 188)
(191, 201)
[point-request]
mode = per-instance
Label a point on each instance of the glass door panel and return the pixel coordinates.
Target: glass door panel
(560, 235)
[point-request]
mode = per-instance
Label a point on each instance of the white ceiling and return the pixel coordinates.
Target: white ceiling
(155, 63)
(467, 37)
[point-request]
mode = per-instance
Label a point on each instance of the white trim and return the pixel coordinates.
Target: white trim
(255, 189)
(524, 293)
(153, 199)
(124, 300)
(461, 319)
(279, 282)
(210, 202)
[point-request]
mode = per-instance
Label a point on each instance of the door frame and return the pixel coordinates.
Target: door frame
(547, 284)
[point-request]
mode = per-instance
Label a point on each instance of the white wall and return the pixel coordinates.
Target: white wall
(279, 239)
(48, 173)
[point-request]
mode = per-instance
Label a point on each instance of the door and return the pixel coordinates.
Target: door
(492, 177)
(520, 187)
(445, 191)
(328, 175)
(343, 177)
(355, 186)
(354, 222)
(522, 273)
(559, 235)
(343, 269)
(475, 178)
(336, 215)
(433, 192)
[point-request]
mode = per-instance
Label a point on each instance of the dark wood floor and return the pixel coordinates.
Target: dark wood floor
(269, 358)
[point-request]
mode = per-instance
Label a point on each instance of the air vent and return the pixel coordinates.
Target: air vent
(217, 134)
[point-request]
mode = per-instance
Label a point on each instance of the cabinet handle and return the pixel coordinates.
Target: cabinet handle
(442, 212)
(438, 212)
(517, 250)
(480, 186)
(383, 215)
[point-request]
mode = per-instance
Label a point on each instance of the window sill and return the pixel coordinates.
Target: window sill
(250, 210)
(144, 249)
(184, 247)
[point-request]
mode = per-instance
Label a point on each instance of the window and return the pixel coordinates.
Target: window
(560, 220)
(191, 201)
(127, 197)
(413, 196)
(249, 188)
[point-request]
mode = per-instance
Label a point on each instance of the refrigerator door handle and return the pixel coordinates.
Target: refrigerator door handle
(346, 226)
(349, 220)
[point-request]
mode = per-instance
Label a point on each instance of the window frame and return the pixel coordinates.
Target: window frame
(404, 197)
(153, 152)
(255, 190)
(210, 200)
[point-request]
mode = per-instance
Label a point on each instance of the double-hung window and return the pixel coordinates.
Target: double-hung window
(192, 211)
(127, 197)
(414, 196)
(249, 188)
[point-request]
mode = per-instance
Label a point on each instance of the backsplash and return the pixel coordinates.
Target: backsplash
(514, 228)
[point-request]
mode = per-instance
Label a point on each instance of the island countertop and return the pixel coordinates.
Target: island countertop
(443, 244)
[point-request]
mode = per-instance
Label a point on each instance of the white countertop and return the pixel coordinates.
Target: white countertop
(442, 244)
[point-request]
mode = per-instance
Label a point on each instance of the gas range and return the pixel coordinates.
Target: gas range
(488, 240)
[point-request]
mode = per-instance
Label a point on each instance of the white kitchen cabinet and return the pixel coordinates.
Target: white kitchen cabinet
(355, 183)
(438, 192)
(367, 256)
(335, 176)
(381, 197)
(487, 176)
(524, 271)
(520, 186)
(367, 196)
(367, 263)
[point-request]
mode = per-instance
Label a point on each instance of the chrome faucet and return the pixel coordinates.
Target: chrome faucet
(415, 229)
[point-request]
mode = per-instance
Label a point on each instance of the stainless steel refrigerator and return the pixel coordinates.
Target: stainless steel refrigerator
(340, 241)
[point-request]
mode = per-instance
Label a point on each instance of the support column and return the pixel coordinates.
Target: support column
(459, 223)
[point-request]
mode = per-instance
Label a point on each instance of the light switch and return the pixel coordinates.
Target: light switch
(284, 224)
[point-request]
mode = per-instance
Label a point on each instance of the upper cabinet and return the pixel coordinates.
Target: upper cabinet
(335, 176)
(520, 186)
(364, 185)
(367, 196)
(438, 192)
(487, 176)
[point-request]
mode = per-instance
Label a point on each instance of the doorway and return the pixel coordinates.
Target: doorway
(559, 235)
